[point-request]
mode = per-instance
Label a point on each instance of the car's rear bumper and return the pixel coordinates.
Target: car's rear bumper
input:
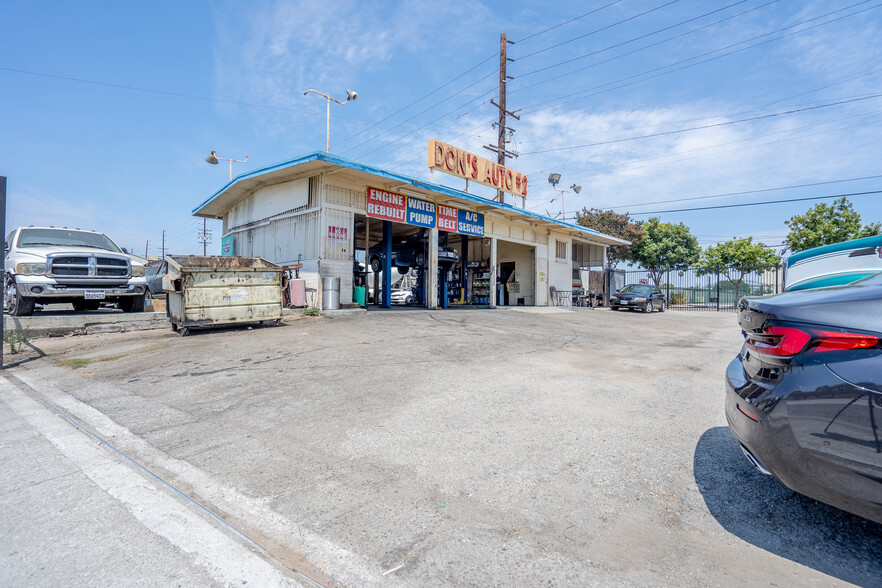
(772, 446)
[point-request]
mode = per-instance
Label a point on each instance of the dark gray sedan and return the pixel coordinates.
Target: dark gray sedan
(804, 396)
(639, 297)
(154, 273)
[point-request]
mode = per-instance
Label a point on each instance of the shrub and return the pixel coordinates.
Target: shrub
(678, 298)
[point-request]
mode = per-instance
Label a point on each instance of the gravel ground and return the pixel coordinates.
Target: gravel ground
(463, 447)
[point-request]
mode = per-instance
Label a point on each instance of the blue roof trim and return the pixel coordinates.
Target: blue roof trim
(875, 241)
(347, 163)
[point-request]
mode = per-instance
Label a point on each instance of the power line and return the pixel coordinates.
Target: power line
(758, 203)
(709, 126)
(151, 90)
(400, 110)
(421, 113)
(631, 164)
(607, 27)
(568, 22)
(759, 191)
(749, 110)
(584, 93)
(597, 51)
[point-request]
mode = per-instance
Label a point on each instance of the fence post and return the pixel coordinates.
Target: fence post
(668, 287)
(777, 268)
(718, 289)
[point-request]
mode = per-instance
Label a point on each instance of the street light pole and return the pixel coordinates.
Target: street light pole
(213, 159)
(350, 95)
(554, 179)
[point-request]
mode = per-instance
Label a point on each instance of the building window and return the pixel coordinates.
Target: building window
(560, 250)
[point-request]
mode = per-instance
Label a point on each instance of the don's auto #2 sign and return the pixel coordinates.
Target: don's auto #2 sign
(423, 213)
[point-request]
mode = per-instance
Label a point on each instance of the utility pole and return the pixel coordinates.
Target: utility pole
(204, 235)
(146, 248)
(502, 128)
(163, 243)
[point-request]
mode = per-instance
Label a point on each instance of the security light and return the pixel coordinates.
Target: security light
(211, 158)
(353, 95)
(553, 179)
(576, 188)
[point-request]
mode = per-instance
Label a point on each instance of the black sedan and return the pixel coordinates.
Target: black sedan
(639, 297)
(412, 252)
(804, 396)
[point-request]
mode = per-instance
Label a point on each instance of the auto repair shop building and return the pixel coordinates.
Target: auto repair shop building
(330, 214)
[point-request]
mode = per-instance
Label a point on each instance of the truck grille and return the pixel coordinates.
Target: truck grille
(86, 266)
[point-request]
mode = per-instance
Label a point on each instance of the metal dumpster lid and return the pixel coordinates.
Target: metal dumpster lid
(214, 263)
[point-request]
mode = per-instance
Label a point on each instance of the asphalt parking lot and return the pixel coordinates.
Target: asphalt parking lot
(460, 447)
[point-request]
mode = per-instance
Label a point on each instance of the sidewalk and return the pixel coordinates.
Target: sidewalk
(75, 513)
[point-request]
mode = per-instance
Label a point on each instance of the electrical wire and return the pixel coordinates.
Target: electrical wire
(630, 165)
(758, 191)
(610, 86)
(402, 109)
(567, 22)
(743, 204)
(154, 91)
(708, 126)
(420, 114)
(608, 48)
(607, 27)
(535, 107)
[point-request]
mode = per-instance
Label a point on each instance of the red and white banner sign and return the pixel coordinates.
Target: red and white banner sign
(386, 205)
(447, 218)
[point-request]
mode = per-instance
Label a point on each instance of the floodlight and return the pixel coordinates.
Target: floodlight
(353, 95)
(553, 179)
(211, 158)
(576, 188)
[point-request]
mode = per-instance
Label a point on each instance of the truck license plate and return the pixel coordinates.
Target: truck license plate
(94, 295)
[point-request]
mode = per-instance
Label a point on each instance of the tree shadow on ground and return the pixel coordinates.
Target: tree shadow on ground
(762, 511)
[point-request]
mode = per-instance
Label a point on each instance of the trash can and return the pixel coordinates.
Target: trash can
(330, 293)
(207, 291)
(358, 295)
(297, 292)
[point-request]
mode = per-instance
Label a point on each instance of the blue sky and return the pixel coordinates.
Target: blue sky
(108, 108)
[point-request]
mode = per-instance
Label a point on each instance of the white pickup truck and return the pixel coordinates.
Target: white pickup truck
(46, 265)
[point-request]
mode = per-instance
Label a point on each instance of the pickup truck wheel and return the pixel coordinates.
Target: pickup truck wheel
(376, 266)
(132, 303)
(17, 305)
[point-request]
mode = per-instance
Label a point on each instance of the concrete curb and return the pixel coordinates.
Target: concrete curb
(85, 324)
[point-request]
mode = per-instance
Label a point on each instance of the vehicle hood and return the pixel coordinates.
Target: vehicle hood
(42, 252)
(854, 306)
(629, 295)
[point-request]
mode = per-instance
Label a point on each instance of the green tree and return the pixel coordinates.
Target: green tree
(735, 259)
(665, 246)
(614, 224)
(824, 225)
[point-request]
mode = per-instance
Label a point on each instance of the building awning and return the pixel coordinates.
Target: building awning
(242, 186)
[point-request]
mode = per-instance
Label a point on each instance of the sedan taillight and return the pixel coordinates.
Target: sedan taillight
(787, 341)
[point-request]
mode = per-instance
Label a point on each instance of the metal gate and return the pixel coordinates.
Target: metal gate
(702, 289)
